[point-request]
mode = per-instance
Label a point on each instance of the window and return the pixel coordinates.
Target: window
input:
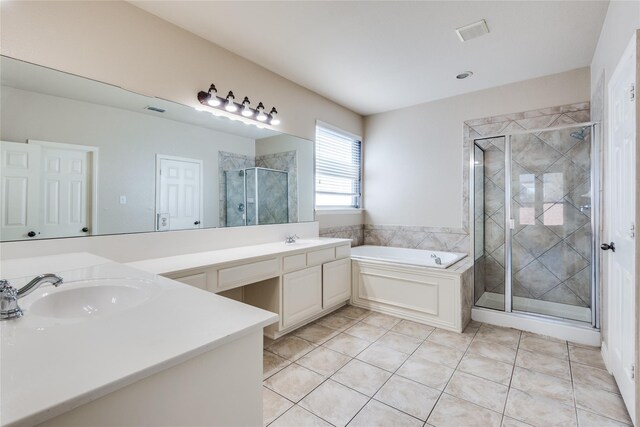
(338, 169)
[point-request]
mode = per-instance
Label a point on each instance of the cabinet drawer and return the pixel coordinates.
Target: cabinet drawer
(343, 251)
(321, 256)
(248, 273)
(294, 262)
(196, 280)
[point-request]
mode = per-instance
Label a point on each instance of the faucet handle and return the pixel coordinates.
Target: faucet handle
(8, 301)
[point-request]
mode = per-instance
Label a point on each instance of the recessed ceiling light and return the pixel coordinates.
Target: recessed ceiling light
(464, 75)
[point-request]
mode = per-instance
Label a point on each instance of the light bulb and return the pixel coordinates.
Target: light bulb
(274, 120)
(261, 115)
(230, 106)
(246, 110)
(213, 98)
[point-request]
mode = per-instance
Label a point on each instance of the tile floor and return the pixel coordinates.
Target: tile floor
(360, 368)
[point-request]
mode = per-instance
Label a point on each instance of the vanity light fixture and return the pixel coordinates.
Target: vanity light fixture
(211, 99)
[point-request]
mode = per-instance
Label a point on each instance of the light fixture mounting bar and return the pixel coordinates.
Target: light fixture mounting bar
(211, 99)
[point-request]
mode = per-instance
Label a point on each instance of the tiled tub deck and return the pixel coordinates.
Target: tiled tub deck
(360, 368)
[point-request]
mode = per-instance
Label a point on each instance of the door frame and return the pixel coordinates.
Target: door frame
(94, 155)
(637, 221)
(159, 158)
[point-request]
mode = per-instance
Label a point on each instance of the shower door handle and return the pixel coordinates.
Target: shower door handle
(607, 246)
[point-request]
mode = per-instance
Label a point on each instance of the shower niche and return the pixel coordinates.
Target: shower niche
(256, 196)
(534, 221)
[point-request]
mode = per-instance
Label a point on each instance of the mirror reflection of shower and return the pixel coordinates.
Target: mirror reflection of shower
(256, 196)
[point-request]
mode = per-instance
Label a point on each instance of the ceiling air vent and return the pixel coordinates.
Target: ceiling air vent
(472, 31)
(156, 109)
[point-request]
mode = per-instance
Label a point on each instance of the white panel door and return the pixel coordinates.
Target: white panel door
(178, 192)
(20, 172)
(336, 282)
(301, 295)
(620, 210)
(65, 193)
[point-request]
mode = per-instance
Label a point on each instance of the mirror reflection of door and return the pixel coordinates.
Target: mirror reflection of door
(178, 193)
(46, 190)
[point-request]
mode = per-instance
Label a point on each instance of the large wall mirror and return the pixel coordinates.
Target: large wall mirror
(83, 158)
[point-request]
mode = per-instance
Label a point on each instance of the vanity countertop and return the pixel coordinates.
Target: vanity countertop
(223, 256)
(51, 365)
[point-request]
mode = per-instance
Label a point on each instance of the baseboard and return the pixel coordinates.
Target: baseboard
(604, 350)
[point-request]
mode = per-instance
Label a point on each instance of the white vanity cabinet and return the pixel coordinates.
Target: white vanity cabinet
(300, 282)
(301, 295)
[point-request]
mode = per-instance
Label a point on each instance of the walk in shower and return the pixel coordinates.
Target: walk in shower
(256, 196)
(534, 220)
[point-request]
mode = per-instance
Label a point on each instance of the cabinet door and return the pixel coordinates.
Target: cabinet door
(301, 295)
(336, 282)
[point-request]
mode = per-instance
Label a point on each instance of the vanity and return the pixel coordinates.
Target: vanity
(299, 281)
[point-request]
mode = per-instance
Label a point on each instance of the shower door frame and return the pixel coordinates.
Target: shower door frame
(595, 181)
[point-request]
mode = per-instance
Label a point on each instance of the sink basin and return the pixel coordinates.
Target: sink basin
(87, 299)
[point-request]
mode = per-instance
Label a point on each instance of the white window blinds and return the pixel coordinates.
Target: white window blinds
(338, 169)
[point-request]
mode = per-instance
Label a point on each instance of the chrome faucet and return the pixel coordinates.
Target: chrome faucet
(291, 239)
(437, 259)
(9, 295)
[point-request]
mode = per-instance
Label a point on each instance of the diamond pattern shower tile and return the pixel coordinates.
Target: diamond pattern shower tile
(561, 178)
(563, 218)
(537, 279)
(580, 284)
(537, 238)
(580, 198)
(580, 241)
(580, 154)
(564, 295)
(532, 153)
(563, 261)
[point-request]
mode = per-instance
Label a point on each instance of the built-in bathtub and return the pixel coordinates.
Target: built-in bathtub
(409, 283)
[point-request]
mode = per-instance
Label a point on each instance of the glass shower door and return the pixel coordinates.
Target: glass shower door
(549, 238)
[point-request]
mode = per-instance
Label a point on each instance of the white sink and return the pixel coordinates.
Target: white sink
(90, 298)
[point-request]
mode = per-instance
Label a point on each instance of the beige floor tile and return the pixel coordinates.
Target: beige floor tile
(381, 320)
(408, 396)
(383, 357)
(315, 333)
(454, 412)
(510, 422)
(486, 368)
(504, 336)
(366, 332)
(601, 402)
(538, 411)
(337, 322)
(273, 405)
(543, 337)
(272, 363)
(323, 361)
(334, 402)
(451, 339)
(362, 377)
(538, 344)
(299, 417)
(422, 370)
(413, 329)
(440, 354)
(377, 414)
(493, 351)
(291, 347)
(594, 377)
(477, 390)
(347, 344)
(353, 312)
(587, 356)
(538, 384)
(266, 341)
(399, 342)
(540, 362)
(589, 419)
(294, 382)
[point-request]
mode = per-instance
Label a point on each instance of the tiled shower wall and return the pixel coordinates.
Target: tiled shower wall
(551, 250)
(285, 161)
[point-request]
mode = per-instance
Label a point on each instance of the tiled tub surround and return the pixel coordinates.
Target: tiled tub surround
(360, 368)
(353, 232)
(550, 262)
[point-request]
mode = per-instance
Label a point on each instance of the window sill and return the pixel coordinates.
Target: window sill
(338, 211)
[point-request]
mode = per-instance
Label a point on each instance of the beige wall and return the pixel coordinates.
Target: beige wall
(117, 43)
(413, 156)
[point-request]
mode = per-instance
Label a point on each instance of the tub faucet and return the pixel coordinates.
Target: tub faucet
(437, 259)
(9, 295)
(291, 238)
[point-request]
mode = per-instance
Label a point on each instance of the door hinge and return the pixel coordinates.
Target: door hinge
(633, 372)
(632, 92)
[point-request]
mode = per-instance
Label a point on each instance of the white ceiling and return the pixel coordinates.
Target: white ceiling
(375, 56)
